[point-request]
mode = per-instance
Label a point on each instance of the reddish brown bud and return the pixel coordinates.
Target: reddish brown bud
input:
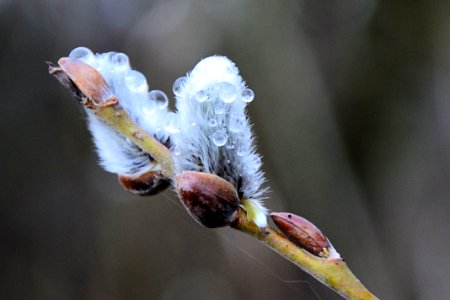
(147, 184)
(302, 232)
(90, 82)
(209, 199)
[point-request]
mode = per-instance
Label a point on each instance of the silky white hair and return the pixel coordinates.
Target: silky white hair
(116, 153)
(209, 133)
(215, 134)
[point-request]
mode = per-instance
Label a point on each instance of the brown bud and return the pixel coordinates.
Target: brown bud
(147, 184)
(209, 199)
(302, 232)
(90, 82)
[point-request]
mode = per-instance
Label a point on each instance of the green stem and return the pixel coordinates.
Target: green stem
(118, 119)
(333, 273)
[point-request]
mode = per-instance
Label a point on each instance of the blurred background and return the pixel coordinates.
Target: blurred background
(352, 117)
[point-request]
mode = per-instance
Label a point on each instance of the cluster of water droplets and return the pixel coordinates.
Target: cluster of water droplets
(216, 135)
(215, 95)
(221, 114)
(209, 133)
(222, 106)
(148, 108)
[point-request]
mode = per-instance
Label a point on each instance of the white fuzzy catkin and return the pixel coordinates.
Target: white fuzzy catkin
(215, 134)
(147, 109)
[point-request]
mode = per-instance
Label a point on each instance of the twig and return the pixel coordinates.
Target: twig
(118, 119)
(332, 272)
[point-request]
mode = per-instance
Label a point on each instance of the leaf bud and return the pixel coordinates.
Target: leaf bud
(302, 232)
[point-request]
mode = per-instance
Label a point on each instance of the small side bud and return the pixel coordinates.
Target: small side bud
(210, 200)
(302, 232)
(147, 184)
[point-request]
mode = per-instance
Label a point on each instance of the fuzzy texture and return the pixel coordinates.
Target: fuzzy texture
(147, 109)
(215, 135)
(118, 154)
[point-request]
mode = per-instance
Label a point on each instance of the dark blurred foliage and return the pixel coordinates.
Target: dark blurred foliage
(352, 117)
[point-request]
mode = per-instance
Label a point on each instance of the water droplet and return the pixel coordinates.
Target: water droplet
(82, 53)
(201, 96)
(230, 144)
(247, 95)
(177, 151)
(212, 122)
(136, 81)
(241, 151)
(159, 97)
(193, 124)
(219, 137)
(178, 85)
(121, 61)
(227, 92)
(228, 161)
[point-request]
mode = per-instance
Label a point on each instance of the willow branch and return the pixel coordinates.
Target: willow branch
(89, 87)
(118, 119)
(333, 273)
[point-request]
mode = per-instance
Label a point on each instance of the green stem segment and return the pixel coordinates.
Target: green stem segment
(118, 119)
(333, 273)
